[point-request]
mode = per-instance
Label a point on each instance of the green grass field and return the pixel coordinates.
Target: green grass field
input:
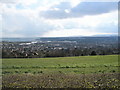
(83, 64)
(63, 72)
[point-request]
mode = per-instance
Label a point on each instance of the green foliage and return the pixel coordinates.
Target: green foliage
(86, 64)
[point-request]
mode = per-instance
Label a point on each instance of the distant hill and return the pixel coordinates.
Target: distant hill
(72, 38)
(106, 35)
(100, 35)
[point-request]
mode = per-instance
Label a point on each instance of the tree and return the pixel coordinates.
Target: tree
(93, 53)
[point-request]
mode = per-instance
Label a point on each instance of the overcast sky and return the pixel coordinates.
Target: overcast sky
(57, 18)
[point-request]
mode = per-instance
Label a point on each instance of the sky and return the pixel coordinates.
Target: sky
(58, 18)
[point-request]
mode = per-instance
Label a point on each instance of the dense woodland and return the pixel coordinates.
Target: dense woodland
(60, 47)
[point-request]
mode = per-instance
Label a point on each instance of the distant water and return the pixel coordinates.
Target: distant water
(51, 39)
(18, 39)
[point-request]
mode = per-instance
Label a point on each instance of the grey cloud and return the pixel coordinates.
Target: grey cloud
(82, 9)
(63, 5)
(60, 13)
(92, 8)
(22, 25)
(54, 14)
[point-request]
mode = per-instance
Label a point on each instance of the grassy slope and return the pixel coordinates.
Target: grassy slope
(64, 72)
(83, 64)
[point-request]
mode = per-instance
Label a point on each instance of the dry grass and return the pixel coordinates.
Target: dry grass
(109, 80)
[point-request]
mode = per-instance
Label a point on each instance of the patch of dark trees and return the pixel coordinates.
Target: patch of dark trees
(59, 53)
